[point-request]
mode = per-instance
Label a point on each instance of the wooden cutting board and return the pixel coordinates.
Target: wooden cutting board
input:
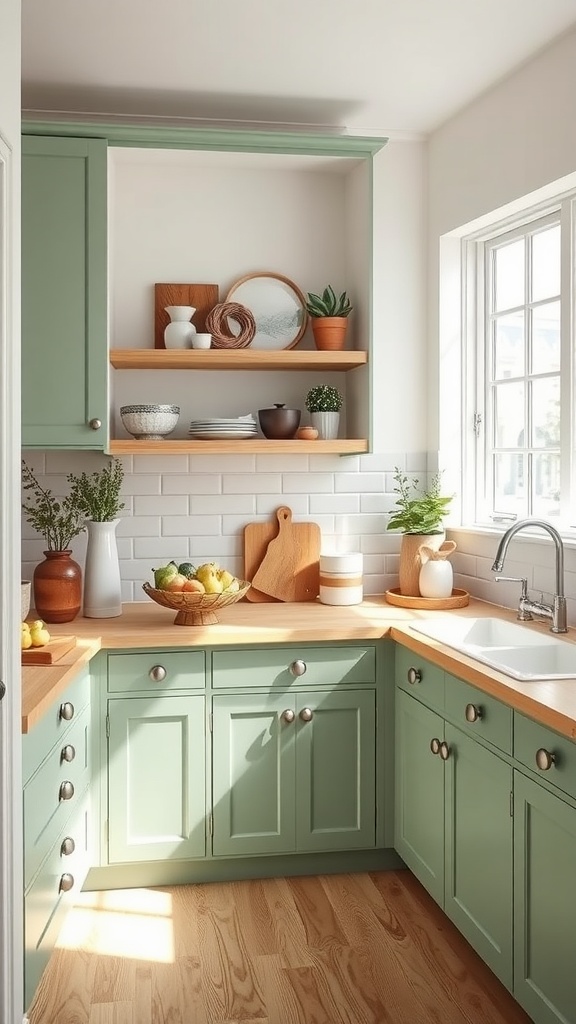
(202, 296)
(289, 570)
(257, 536)
(50, 653)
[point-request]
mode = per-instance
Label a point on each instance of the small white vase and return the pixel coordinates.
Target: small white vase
(436, 579)
(102, 584)
(179, 332)
(326, 424)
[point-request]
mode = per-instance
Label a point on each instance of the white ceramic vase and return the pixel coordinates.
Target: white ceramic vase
(436, 579)
(326, 424)
(102, 585)
(179, 332)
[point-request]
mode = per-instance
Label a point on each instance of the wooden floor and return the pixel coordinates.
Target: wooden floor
(359, 949)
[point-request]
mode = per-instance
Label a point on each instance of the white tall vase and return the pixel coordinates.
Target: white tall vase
(102, 585)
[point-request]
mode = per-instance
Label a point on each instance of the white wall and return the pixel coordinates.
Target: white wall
(513, 141)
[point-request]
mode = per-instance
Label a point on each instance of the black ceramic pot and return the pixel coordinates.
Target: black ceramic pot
(279, 423)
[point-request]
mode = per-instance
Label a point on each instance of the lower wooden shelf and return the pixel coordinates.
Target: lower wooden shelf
(340, 446)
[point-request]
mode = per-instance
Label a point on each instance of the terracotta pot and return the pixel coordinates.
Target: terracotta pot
(329, 332)
(57, 587)
(411, 562)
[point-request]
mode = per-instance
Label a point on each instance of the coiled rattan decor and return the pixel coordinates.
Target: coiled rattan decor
(218, 326)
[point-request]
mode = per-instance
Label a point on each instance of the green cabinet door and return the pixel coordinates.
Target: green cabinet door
(478, 878)
(64, 316)
(335, 770)
(545, 903)
(156, 778)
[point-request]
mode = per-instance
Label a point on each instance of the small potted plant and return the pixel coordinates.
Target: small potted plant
(418, 514)
(329, 317)
(324, 403)
(97, 495)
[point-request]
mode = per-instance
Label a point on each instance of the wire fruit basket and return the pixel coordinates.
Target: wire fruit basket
(195, 609)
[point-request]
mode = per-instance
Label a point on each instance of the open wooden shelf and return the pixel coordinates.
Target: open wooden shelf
(233, 359)
(259, 445)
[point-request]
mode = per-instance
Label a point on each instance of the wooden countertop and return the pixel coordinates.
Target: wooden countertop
(146, 625)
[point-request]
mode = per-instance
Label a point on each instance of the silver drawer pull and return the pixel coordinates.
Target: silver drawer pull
(157, 673)
(68, 753)
(66, 712)
(288, 715)
(545, 759)
(473, 713)
(66, 882)
(444, 750)
(67, 846)
(298, 667)
(414, 675)
(66, 791)
(435, 745)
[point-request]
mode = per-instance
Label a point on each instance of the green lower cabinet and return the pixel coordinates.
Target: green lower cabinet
(294, 773)
(156, 778)
(545, 903)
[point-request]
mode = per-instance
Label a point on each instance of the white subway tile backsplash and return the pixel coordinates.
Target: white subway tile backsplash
(161, 549)
(335, 463)
(288, 464)
(224, 464)
(216, 504)
(375, 503)
(307, 483)
(160, 464)
(203, 549)
(339, 504)
(357, 482)
(189, 526)
(145, 484)
(262, 483)
(139, 526)
(266, 504)
(201, 483)
(160, 504)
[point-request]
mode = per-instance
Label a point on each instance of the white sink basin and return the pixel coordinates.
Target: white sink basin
(506, 646)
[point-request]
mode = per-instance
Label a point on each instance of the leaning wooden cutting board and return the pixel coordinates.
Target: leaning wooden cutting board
(202, 296)
(289, 570)
(50, 653)
(257, 536)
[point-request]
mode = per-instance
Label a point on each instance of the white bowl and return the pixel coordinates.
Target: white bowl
(150, 421)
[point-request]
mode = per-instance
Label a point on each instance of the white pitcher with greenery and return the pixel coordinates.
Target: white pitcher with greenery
(98, 496)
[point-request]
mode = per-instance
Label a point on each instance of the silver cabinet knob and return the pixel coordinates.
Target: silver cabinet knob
(414, 675)
(66, 711)
(157, 673)
(95, 424)
(435, 745)
(545, 759)
(298, 667)
(66, 882)
(306, 714)
(473, 713)
(288, 715)
(68, 753)
(67, 846)
(66, 791)
(444, 750)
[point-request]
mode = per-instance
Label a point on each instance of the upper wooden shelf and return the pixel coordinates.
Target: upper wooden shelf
(257, 445)
(233, 359)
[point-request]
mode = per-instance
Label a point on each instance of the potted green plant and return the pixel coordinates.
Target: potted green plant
(57, 580)
(419, 514)
(97, 495)
(324, 403)
(329, 317)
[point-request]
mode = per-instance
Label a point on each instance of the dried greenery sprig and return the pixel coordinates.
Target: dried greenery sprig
(98, 495)
(418, 512)
(58, 520)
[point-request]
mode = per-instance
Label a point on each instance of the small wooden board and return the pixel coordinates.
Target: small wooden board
(290, 569)
(459, 599)
(202, 296)
(50, 653)
(257, 537)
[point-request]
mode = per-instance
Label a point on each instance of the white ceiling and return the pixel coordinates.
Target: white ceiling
(378, 66)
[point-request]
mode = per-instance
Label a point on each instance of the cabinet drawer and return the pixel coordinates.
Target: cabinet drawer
(52, 726)
(47, 804)
(284, 666)
(166, 670)
(420, 678)
(478, 713)
(560, 767)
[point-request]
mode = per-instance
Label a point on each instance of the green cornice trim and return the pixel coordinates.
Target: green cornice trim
(225, 140)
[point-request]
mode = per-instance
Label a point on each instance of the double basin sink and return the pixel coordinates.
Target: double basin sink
(505, 646)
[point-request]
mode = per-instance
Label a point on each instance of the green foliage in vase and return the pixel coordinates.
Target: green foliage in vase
(58, 520)
(328, 304)
(324, 398)
(416, 511)
(98, 495)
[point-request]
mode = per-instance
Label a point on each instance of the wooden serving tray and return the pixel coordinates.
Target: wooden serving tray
(50, 653)
(459, 599)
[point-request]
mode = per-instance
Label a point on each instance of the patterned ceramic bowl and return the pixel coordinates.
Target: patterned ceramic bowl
(149, 422)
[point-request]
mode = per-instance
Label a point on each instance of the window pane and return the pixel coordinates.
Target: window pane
(545, 484)
(509, 275)
(546, 412)
(546, 264)
(509, 484)
(546, 338)
(509, 415)
(509, 346)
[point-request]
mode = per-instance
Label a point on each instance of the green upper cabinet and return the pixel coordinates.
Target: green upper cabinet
(64, 304)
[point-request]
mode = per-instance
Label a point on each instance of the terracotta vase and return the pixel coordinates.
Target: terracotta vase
(57, 587)
(329, 332)
(411, 562)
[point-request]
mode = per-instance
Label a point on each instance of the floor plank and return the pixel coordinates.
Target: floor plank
(333, 949)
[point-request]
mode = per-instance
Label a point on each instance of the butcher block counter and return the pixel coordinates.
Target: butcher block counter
(145, 625)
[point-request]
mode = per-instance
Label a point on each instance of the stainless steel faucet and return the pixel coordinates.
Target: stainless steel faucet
(527, 608)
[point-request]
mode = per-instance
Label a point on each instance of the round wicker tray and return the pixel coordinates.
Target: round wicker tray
(195, 609)
(459, 599)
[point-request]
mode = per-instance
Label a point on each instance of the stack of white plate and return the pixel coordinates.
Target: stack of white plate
(221, 429)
